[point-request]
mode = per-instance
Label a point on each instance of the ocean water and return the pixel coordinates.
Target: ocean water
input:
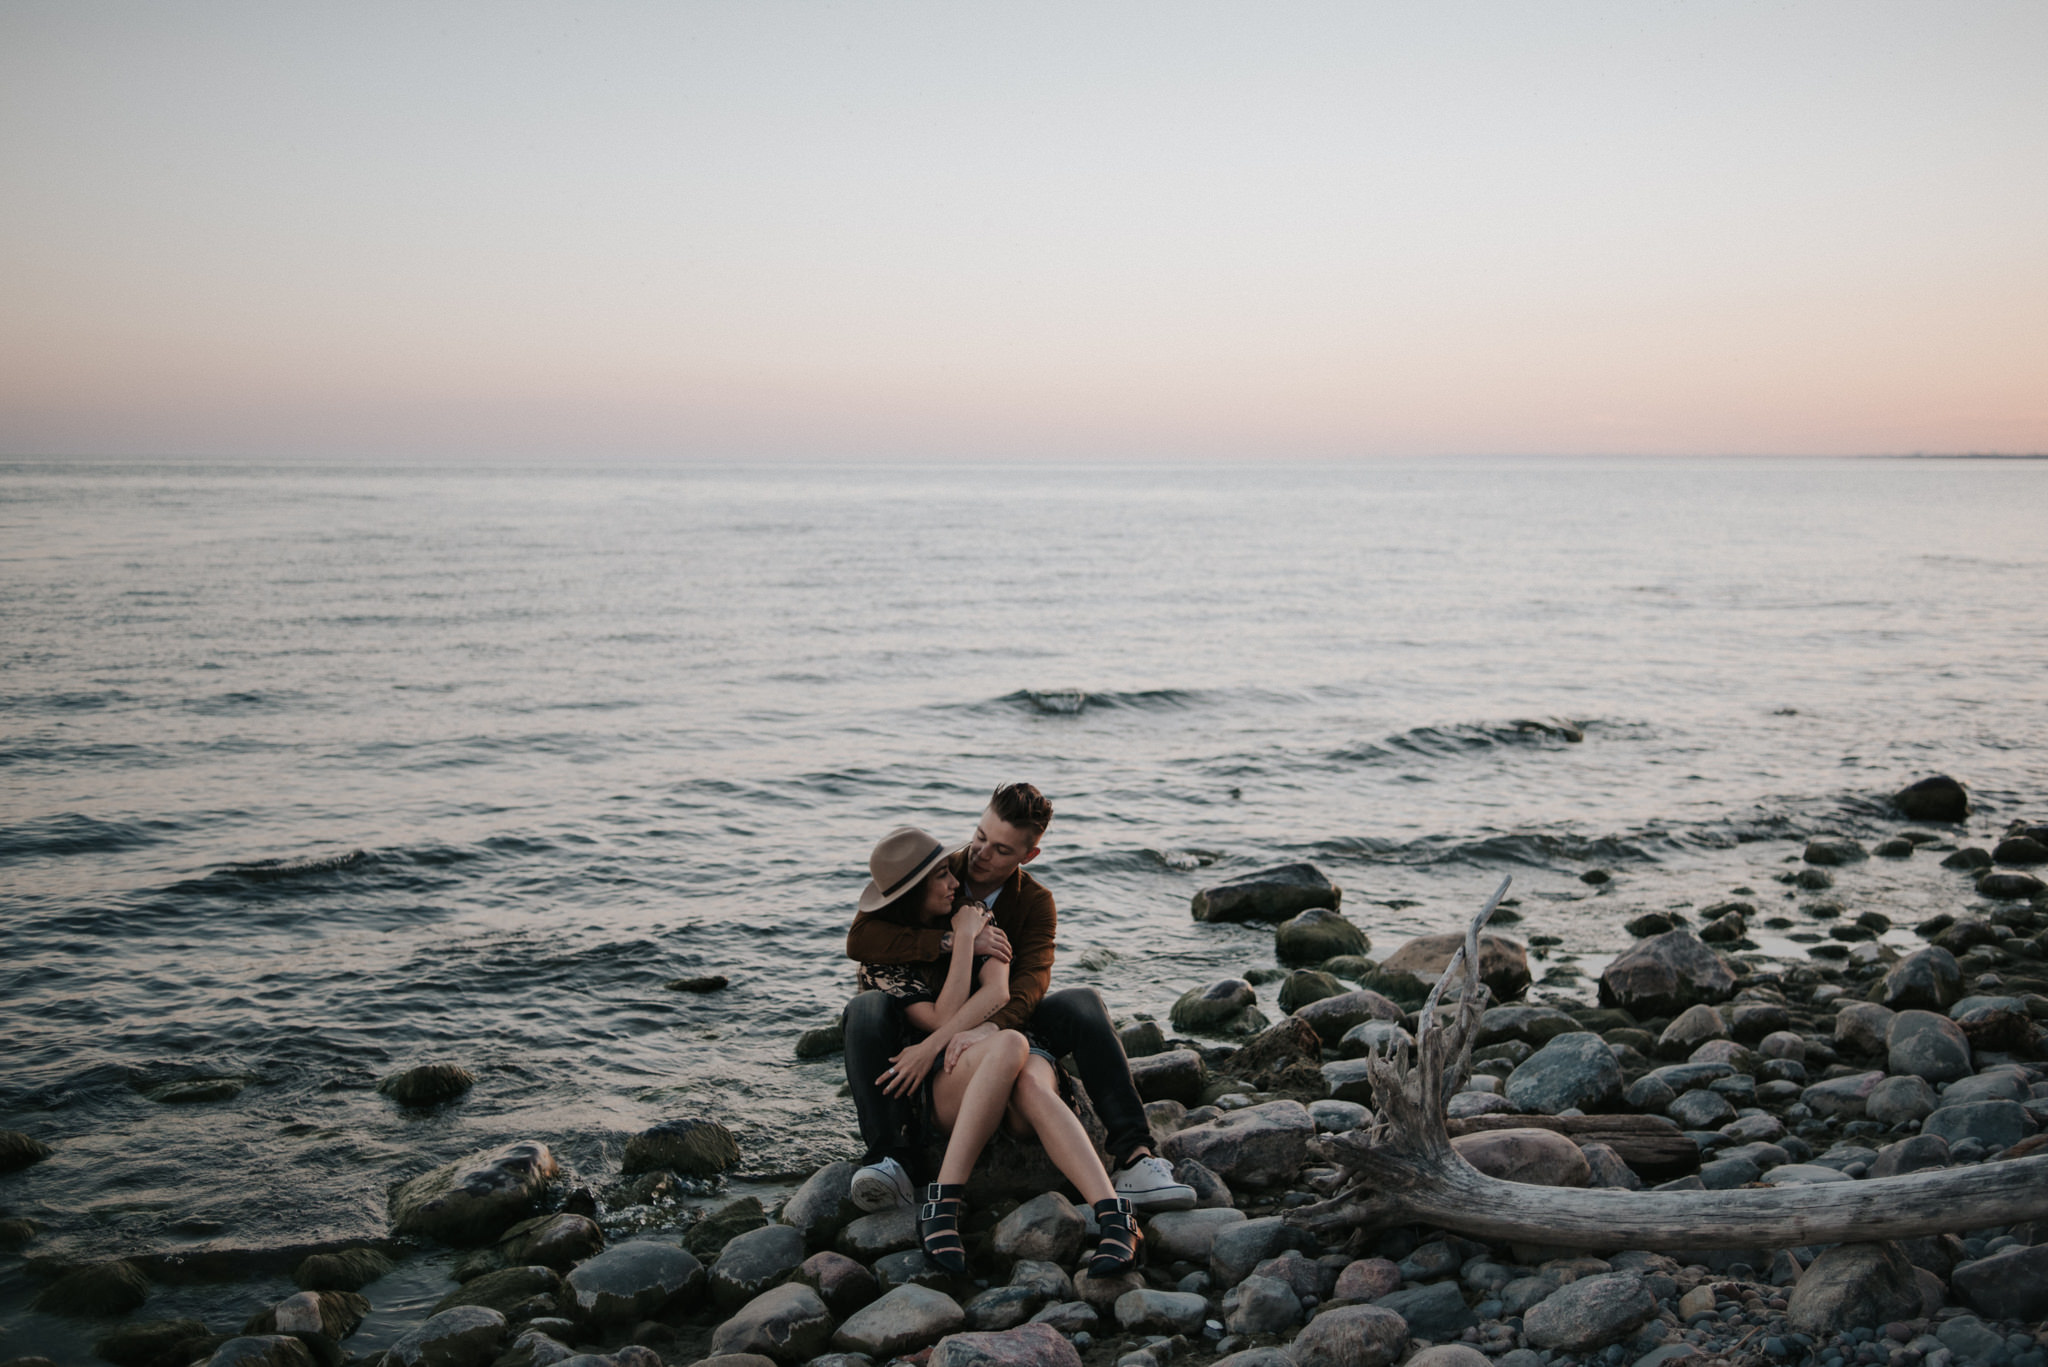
(311, 772)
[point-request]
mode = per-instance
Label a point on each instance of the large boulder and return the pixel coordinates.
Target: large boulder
(350, 1269)
(635, 1281)
(1238, 1248)
(1663, 975)
(1993, 1124)
(1572, 1070)
(1541, 1158)
(1852, 1284)
(1590, 1313)
(519, 1293)
(1176, 1075)
(1927, 1046)
(1305, 985)
(902, 1321)
(1503, 964)
(1268, 895)
(702, 1148)
(1925, 980)
(1259, 1146)
(1317, 935)
(843, 1284)
(788, 1323)
(1284, 1054)
(1861, 1028)
(2011, 1284)
(467, 1336)
(1029, 1345)
(822, 1205)
(752, 1262)
(1351, 1336)
(1531, 1025)
(1834, 850)
(101, 1290)
(1046, 1228)
(1188, 1235)
(1332, 1017)
(1227, 1006)
(1939, 798)
(1841, 1098)
(560, 1241)
(475, 1199)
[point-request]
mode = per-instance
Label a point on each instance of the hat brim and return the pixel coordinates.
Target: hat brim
(873, 899)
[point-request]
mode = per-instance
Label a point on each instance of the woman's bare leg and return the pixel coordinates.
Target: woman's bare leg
(969, 1101)
(1036, 1099)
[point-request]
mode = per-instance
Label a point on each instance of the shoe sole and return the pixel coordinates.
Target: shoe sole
(1162, 1203)
(876, 1195)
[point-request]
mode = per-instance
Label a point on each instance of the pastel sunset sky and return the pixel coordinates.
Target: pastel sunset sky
(730, 230)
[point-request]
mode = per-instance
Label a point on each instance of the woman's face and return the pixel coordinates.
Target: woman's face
(939, 888)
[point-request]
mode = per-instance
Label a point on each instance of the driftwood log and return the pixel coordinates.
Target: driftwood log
(1401, 1169)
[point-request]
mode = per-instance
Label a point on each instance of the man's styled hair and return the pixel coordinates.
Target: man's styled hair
(1023, 806)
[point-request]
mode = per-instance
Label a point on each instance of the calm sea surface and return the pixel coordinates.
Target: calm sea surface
(307, 773)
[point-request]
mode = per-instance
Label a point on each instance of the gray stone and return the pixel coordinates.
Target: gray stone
(1175, 1075)
(1925, 980)
(1336, 1117)
(1004, 1307)
(1841, 1098)
(885, 1231)
(508, 1291)
(1188, 1235)
(902, 1321)
(1804, 1174)
(1970, 1339)
(1783, 1044)
(2011, 1284)
(427, 1084)
(1257, 1357)
(843, 1284)
(351, 1269)
(1694, 1026)
(822, 1206)
(1726, 1174)
(1701, 1110)
(1305, 985)
(1590, 1313)
(1221, 1008)
(1240, 1247)
(1914, 1154)
(788, 1323)
(1993, 1084)
(1351, 1336)
(141, 1343)
(702, 1148)
(538, 1348)
(1571, 1070)
(1268, 895)
(2010, 887)
(101, 1290)
(1927, 1046)
(1862, 1027)
(1834, 850)
(1434, 1311)
(1605, 1167)
(1332, 1017)
(1999, 1024)
(1261, 1305)
(1032, 1345)
(254, 1350)
(1044, 1229)
(1160, 1312)
(752, 1262)
(1449, 1355)
(1503, 963)
(475, 1199)
(1852, 1284)
(560, 1241)
(1751, 1021)
(1141, 1039)
(1994, 1124)
(1538, 1157)
(1938, 798)
(1899, 1099)
(635, 1281)
(1663, 975)
(1373, 1037)
(1315, 935)
(1532, 1025)
(1259, 1146)
(467, 1336)
(1069, 1317)
(911, 1267)
(1649, 1093)
(719, 1227)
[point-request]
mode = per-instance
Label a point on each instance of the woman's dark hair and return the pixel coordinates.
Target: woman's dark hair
(1023, 806)
(907, 909)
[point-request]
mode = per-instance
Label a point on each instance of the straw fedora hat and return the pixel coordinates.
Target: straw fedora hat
(899, 864)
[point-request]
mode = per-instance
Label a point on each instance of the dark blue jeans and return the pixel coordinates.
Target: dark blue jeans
(1074, 1021)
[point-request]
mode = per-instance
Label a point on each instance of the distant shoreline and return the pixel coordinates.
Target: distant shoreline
(1967, 455)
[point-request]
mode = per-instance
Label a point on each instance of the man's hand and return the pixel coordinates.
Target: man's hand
(990, 942)
(967, 1039)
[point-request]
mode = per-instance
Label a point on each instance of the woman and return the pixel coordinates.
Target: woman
(970, 1089)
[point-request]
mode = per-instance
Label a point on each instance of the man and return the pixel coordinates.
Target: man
(991, 871)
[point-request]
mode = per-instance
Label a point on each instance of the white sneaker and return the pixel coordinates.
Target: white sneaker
(1149, 1184)
(885, 1186)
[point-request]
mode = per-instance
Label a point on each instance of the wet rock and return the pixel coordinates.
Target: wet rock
(711, 1234)
(843, 1284)
(2021, 850)
(1834, 850)
(18, 1150)
(1318, 934)
(1992, 1124)
(635, 1281)
(1896, 847)
(1590, 1313)
(1434, 1311)
(1571, 1070)
(1899, 1099)
(1841, 1098)
(1046, 1228)
(505, 1291)
(1650, 923)
(467, 1336)
(538, 1348)
(1225, 1007)
(1160, 1312)
(1141, 1039)
(1261, 1305)
(711, 982)
(821, 1041)
(2011, 1284)
(1268, 895)
(1503, 963)
(1925, 980)
(263, 1350)
(1259, 1146)
(1240, 1247)
(1188, 1235)
(701, 1148)
(1283, 1055)
(1332, 1017)
(427, 1084)
(788, 1323)
(1306, 985)
(1938, 798)
(1351, 1336)
(1176, 1075)
(902, 1321)
(146, 1342)
(885, 1231)
(1852, 1284)
(753, 1262)
(1032, 1345)
(2010, 887)
(95, 1291)
(1927, 1046)
(475, 1199)
(822, 1205)
(1968, 857)
(1965, 933)
(560, 1241)
(1664, 975)
(1694, 1026)
(1539, 1157)
(351, 1269)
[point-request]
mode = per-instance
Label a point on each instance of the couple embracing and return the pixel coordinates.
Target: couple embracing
(954, 1032)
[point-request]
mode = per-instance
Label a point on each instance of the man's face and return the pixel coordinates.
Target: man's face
(997, 849)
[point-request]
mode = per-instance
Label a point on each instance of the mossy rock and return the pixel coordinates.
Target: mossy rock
(1210, 1010)
(711, 1234)
(1307, 985)
(18, 1150)
(351, 1269)
(1405, 990)
(1317, 935)
(1352, 967)
(146, 1342)
(701, 1148)
(429, 1084)
(821, 1042)
(96, 1291)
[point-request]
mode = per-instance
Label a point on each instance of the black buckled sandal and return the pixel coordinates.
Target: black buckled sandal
(938, 1227)
(1123, 1243)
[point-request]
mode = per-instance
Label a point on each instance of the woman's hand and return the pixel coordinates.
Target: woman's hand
(906, 1070)
(968, 920)
(966, 1040)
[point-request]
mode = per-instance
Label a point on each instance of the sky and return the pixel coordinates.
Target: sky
(1045, 230)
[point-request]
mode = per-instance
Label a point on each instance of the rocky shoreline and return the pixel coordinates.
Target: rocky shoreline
(1705, 1066)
